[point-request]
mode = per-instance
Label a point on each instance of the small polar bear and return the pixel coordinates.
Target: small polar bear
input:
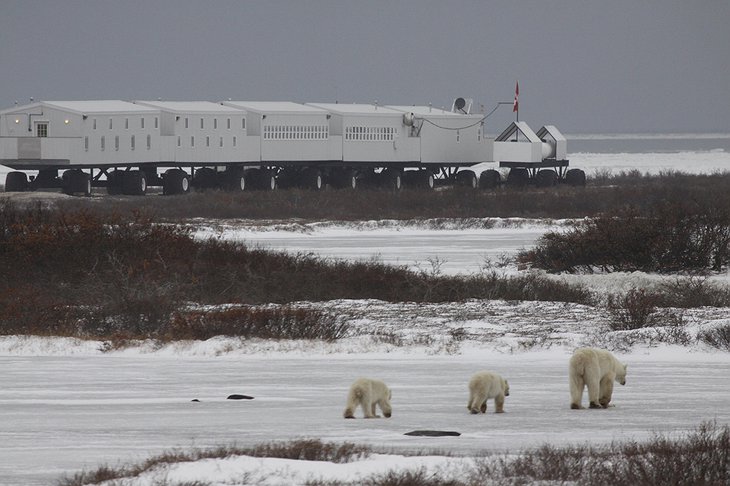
(483, 386)
(368, 393)
(597, 369)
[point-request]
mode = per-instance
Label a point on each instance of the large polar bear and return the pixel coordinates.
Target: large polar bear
(483, 386)
(368, 393)
(597, 369)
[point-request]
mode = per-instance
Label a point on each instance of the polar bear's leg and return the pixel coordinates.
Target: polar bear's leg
(593, 381)
(479, 404)
(499, 403)
(606, 391)
(353, 400)
(385, 408)
(577, 384)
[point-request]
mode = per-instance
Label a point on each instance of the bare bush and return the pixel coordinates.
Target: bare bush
(718, 337)
(633, 310)
(252, 322)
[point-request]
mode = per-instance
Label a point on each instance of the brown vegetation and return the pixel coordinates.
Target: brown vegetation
(700, 457)
(81, 274)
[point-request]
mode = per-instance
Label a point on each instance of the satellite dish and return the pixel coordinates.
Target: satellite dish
(459, 104)
(408, 119)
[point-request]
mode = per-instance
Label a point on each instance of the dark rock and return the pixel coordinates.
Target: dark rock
(433, 433)
(236, 396)
(194, 400)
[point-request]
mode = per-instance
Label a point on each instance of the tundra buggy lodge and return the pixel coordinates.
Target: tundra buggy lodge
(242, 145)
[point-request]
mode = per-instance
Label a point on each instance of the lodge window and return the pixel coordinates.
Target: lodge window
(126, 123)
(116, 142)
(111, 123)
(41, 129)
(192, 141)
(103, 143)
(228, 123)
(131, 141)
(149, 142)
(141, 122)
(157, 121)
(215, 124)
(86, 144)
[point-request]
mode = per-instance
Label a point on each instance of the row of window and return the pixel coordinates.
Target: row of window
(157, 123)
(295, 132)
(132, 143)
(375, 134)
(221, 143)
(126, 123)
(215, 123)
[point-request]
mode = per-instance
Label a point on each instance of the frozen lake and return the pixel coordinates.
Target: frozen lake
(451, 251)
(63, 414)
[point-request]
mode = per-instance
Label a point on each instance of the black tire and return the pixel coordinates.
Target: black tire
(344, 179)
(114, 182)
(392, 179)
(419, 179)
(489, 179)
(575, 177)
(134, 183)
(312, 179)
(467, 179)
(261, 179)
(233, 180)
(76, 182)
(175, 181)
(16, 182)
(518, 177)
(546, 178)
(205, 178)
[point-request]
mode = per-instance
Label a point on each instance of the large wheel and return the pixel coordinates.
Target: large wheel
(114, 182)
(134, 183)
(392, 179)
(419, 179)
(575, 177)
(233, 180)
(205, 178)
(467, 179)
(312, 179)
(489, 179)
(16, 182)
(344, 179)
(546, 178)
(175, 181)
(518, 177)
(262, 179)
(76, 181)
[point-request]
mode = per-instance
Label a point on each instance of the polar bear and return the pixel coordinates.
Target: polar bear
(368, 393)
(483, 386)
(597, 369)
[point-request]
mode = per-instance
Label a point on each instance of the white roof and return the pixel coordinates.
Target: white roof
(356, 109)
(88, 107)
(432, 111)
(189, 106)
(280, 107)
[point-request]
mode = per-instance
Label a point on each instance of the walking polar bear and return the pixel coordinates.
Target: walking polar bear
(367, 393)
(486, 385)
(597, 369)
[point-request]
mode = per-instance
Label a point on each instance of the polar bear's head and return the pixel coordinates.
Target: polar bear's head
(505, 387)
(621, 374)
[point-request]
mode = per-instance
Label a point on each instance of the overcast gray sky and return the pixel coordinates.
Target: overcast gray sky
(585, 66)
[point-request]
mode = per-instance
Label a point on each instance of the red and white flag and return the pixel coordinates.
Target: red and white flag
(516, 105)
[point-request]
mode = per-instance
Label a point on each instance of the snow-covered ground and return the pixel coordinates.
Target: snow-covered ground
(67, 405)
